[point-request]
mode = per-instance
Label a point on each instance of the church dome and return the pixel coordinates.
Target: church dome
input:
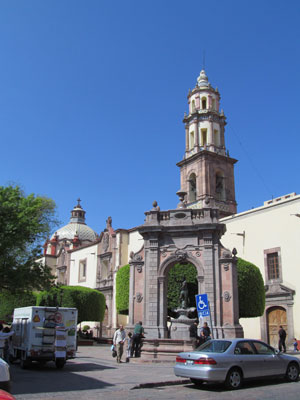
(76, 227)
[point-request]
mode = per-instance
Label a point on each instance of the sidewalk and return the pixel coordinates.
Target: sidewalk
(134, 374)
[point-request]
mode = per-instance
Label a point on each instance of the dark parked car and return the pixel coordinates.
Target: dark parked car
(233, 360)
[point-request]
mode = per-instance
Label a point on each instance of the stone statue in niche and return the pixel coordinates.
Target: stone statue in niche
(105, 241)
(184, 293)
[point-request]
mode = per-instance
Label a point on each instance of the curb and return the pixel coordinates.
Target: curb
(165, 383)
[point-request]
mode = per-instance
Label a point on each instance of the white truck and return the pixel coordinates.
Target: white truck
(44, 334)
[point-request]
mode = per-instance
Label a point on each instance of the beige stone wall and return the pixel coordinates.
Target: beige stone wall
(268, 227)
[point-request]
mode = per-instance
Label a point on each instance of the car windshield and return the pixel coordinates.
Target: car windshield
(214, 346)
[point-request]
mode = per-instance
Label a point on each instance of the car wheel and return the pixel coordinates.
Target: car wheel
(196, 382)
(234, 379)
(292, 372)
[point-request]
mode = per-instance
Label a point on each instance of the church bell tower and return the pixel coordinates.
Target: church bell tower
(206, 171)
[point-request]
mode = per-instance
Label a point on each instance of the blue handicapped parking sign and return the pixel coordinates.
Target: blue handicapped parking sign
(202, 305)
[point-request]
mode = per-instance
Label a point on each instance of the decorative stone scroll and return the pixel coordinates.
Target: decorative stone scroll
(227, 296)
(180, 255)
(226, 266)
(137, 261)
(139, 297)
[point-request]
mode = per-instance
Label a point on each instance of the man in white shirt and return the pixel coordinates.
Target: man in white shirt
(118, 340)
(3, 337)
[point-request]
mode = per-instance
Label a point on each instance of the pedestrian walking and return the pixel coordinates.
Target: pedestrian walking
(282, 337)
(118, 341)
(129, 346)
(194, 334)
(138, 334)
(295, 344)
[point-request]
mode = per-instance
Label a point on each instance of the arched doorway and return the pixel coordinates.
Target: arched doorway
(276, 316)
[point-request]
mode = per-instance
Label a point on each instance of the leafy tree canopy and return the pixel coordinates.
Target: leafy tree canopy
(25, 223)
(251, 290)
(90, 303)
(8, 302)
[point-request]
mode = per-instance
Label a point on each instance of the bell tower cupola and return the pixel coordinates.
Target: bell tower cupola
(78, 214)
(207, 171)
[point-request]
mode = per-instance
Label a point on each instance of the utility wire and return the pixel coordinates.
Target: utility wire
(251, 162)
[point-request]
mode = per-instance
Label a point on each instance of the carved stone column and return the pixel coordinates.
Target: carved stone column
(162, 301)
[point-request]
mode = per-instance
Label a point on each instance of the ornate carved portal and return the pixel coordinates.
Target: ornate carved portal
(168, 240)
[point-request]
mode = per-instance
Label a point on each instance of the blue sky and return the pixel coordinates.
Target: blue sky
(92, 96)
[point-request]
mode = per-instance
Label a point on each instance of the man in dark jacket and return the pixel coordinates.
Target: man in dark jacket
(138, 334)
(194, 335)
(282, 337)
(206, 331)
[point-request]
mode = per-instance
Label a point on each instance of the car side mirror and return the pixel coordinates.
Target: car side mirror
(276, 351)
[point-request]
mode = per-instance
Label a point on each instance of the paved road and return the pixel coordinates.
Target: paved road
(94, 374)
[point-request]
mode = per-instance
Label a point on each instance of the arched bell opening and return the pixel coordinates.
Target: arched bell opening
(192, 188)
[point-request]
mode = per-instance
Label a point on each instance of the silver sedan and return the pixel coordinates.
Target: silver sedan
(233, 360)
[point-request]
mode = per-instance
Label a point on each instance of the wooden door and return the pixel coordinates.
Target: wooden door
(276, 317)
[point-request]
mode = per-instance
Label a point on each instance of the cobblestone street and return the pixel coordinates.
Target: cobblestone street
(95, 374)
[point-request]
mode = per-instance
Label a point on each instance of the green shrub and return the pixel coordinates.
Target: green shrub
(90, 303)
(122, 289)
(86, 328)
(176, 275)
(251, 290)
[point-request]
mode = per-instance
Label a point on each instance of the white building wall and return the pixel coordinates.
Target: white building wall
(265, 228)
(90, 254)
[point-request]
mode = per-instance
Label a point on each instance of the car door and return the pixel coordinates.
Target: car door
(246, 357)
(270, 362)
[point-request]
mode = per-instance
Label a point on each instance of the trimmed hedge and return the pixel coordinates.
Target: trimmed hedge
(90, 303)
(176, 275)
(8, 302)
(251, 290)
(122, 289)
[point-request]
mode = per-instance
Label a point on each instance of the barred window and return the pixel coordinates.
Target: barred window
(273, 266)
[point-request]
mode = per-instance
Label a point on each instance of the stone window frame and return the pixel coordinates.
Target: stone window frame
(270, 251)
(81, 277)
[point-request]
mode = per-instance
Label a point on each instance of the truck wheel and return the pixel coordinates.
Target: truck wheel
(11, 359)
(25, 363)
(60, 363)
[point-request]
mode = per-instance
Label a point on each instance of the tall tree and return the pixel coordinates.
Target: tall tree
(25, 223)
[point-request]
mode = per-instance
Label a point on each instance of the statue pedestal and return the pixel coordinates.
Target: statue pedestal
(181, 325)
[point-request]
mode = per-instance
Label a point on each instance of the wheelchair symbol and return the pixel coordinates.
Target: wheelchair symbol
(201, 304)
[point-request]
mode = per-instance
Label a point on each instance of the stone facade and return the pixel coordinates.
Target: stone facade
(183, 236)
